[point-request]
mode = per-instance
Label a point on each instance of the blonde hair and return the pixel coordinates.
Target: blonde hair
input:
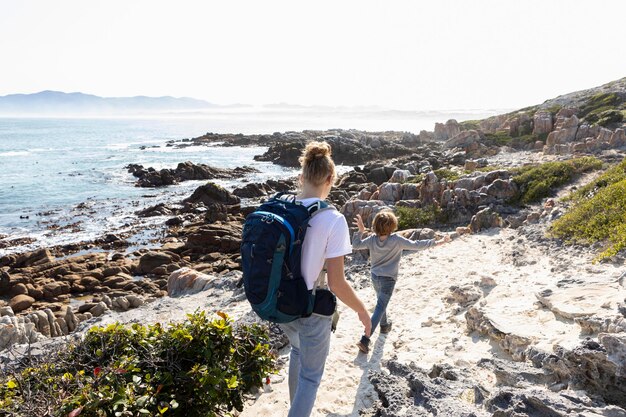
(385, 223)
(317, 165)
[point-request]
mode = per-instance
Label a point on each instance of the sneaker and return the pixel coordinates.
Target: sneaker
(385, 328)
(363, 347)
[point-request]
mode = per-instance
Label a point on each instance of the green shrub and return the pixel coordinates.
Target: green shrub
(539, 181)
(610, 116)
(600, 218)
(447, 174)
(199, 367)
(598, 213)
(498, 139)
(470, 125)
(411, 217)
(416, 179)
(612, 175)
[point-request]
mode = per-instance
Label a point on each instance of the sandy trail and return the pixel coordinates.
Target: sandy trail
(500, 267)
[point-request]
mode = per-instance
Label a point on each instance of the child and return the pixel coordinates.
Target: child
(385, 249)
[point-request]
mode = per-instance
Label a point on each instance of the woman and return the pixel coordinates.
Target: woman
(327, 241)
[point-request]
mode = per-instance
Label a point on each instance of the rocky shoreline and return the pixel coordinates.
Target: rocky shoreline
(458, 178)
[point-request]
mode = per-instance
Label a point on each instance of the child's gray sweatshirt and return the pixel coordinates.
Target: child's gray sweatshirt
(385, 256)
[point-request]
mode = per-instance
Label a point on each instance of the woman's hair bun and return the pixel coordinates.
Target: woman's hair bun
(317, 164)
(315, 150)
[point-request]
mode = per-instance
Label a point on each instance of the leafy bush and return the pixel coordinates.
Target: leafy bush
(447, 174)
(610, 116)
(612, 175)
(598, 214)
(599, 218)
(539, 181)
(498, 139)
(199, 367)
(411, 217)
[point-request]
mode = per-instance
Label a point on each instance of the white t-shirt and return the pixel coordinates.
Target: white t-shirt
(327, 237)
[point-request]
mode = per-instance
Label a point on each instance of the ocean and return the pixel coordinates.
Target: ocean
(50, 167)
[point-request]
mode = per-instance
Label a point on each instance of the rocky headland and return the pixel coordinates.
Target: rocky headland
(504, 321)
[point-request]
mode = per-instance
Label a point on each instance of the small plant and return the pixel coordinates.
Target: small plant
(539, 181)
(447, 174)
(412, 217)
(200, 367)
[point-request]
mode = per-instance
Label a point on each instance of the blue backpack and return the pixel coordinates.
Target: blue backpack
(271, 250)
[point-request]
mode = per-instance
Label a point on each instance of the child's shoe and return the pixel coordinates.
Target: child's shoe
(364, 344)
(385, 328)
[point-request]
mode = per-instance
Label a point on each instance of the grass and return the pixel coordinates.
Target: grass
(411, 218)
(598, 213)
(470, 125)
(539, 181)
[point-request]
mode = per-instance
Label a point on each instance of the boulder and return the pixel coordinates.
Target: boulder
(21, 302)
(210, 193)
(618, 138)
(463, 140)
(152, 260)
(253, 190)
(187, 281)
(485, 219)
(400, 176)
(503, 189)
(390, 192)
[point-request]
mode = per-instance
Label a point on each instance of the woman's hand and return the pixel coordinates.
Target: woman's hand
(358, 222)
(367, 322)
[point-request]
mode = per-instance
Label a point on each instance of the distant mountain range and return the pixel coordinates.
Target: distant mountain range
(59, 103)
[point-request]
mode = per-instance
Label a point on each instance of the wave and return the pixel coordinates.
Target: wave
(14, 153)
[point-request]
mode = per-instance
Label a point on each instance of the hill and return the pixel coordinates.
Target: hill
(60, 103)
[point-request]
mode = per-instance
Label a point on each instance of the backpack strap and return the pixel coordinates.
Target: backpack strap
(320, 282)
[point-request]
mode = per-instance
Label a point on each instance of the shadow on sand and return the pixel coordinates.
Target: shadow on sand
(366, 364)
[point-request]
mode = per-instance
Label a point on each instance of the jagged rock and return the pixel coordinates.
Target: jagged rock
(149, 177)
(400, 176)
(71, 320)
(618, 138)
(485, 219)
(542, 123)
(515, 345)
(390, 192)
(464, 296)
(21, 302)
(99, 309)
(159, 210)
(210, 193)
(463, 139)
(367, 210)
(6, 311)
(253, 190)
(447, 131)
(503, 189)
(14, 330)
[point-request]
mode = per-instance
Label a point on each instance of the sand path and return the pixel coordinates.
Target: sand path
(500, 268)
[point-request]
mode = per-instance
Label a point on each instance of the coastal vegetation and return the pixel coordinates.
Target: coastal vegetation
(414, 217)
(539, 181)
(598, 213)
(199, 367)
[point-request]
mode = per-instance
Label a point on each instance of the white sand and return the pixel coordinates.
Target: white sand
(426, 329)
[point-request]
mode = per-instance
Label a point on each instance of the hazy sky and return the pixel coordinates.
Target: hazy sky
(400, 54)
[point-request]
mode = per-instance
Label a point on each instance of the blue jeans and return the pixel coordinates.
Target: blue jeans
(310, 343)
(384, 289)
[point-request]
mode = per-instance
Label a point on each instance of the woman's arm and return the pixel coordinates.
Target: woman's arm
(340, 287)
